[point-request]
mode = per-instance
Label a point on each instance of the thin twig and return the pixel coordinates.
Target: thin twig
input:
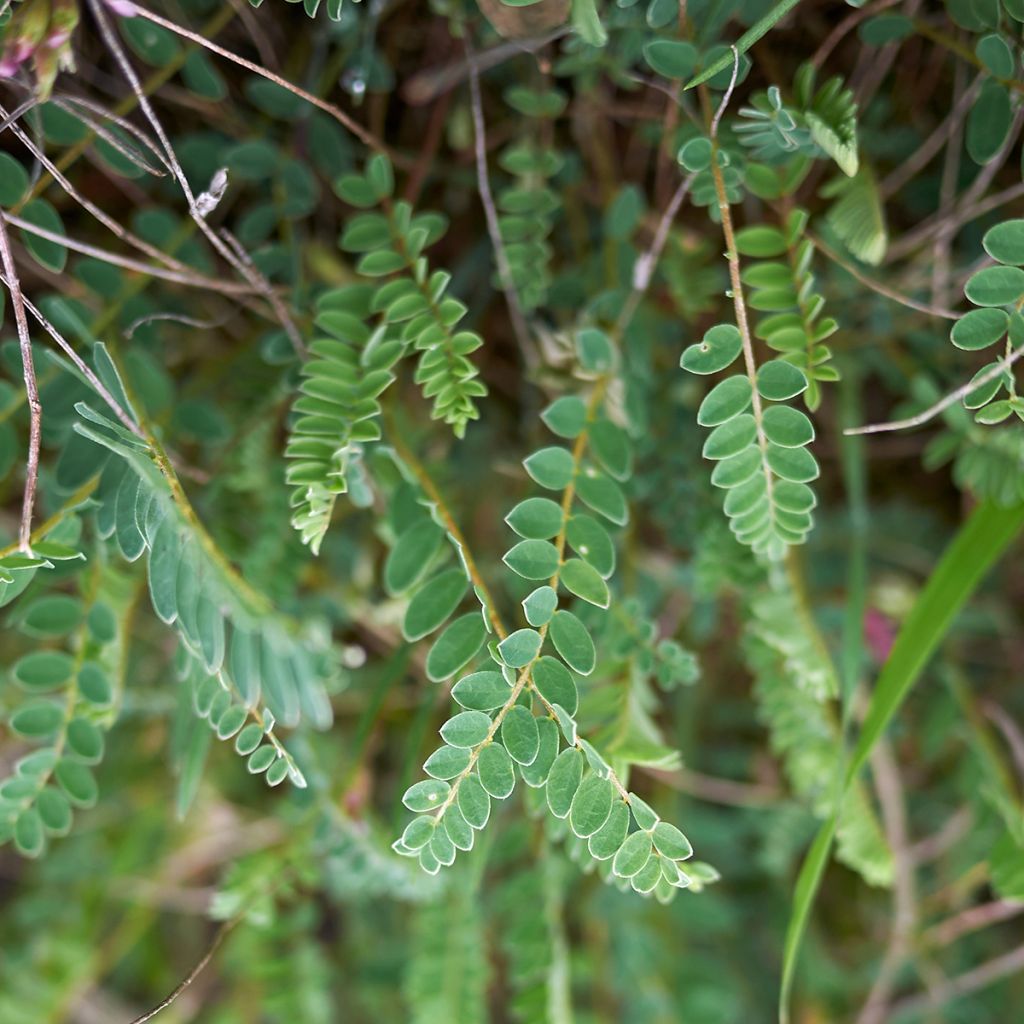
(105, 219)
(892, 802)
(1010, 731)
(735, 279)
(130, 153)
(970, 920)
(31, 389)
(427, 85)
(944, 403)
(728, 94)
(450, 524)
(877, 286)
(237, 258)
(178, 318)
(970, 981)
(266, 289)
(643, 268)
(969, 205)
(328, 108)
(190, 278)
(81, 366)
(844, 27)
(922, 156)
(943, 243)
(18, 111)
(218, 938)
(716, 790)
(508, 286)
(956, 826)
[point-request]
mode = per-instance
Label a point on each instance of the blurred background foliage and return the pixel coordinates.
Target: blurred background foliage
(718, 675)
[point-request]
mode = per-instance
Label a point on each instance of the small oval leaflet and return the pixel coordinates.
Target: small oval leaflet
(85, 739)
(540, 605)
(979, 328)
(671, 842)
(552, 468)
(433, 603)
(481, 691)
(496, 772)
(565, 416)
(730, 438)
(787, 427)
(737, 469)
(573, 642)
(520, 736)
(591, 806)
(418, 833)
(53, 615)
(1005, 242)
(725, 400)
(536, 518)
(633, 854)
(795, 464)
(466, 729)
(533, 559)
(590, 540)
(612, 448)
(603, 495)
(77, 782)
(44, 670)
(995, 286)
(778, 380)
(518, 649)
(554, 682)
(446, 762)
(563, 781)
(536, 773)
(474, 803)
(604, 843)
(456, 646)
(412, 555)
(721, 345)
(459, 830)
(40, 719)
(583, 580)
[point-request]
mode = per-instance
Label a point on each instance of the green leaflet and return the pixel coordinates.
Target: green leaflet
(456, 646)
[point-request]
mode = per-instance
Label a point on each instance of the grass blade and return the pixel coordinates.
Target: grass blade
(745, 41)
(980, 542)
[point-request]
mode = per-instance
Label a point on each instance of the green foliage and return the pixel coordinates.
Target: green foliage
(498, 735)
(443, 260)
(371, 328)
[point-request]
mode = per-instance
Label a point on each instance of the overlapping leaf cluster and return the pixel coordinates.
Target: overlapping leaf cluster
(370, 328)
(519, 716)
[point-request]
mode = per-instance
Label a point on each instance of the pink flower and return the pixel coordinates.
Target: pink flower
(879, 634)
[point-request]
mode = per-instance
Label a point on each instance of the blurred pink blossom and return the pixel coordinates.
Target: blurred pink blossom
(879, 634)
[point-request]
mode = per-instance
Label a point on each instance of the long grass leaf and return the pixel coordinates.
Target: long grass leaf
(980, 542)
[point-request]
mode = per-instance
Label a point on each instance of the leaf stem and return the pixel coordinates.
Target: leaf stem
(428, 485)
(736, 282)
